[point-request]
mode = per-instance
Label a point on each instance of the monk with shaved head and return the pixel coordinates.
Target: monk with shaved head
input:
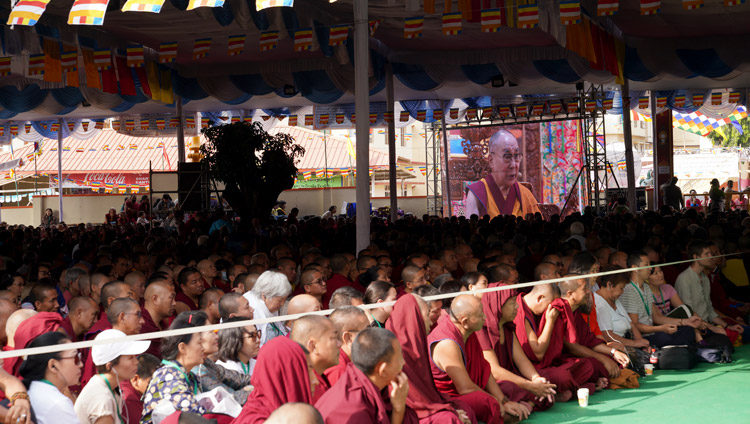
(158, 304)
(458, 365)
(348, 322)
(300, 304)
(82, 315)
(413, 277)
(318, 335)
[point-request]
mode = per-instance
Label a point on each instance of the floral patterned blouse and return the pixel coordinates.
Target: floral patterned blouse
(173, 383)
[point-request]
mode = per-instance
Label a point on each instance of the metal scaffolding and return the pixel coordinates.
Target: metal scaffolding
(433, 176)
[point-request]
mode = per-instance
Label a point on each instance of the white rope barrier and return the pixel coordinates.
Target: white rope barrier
(285, 318)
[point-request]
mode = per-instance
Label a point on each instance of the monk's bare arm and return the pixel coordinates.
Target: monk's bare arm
(522, 361)
(471, 204)
(498, 372)
(539, 345)
(447, 356)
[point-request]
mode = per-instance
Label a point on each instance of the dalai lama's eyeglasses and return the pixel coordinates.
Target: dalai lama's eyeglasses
(518, 157)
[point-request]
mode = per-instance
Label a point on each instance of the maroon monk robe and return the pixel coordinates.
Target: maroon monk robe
(567, 373)
(321, 388)
(430, 405)
(353, 399)
(132, 400)
(585, 337)
(335, 372)
(336, 282)
(489, 339)
(149, 326)
(28, 330)
(67, 325)
(281, 376)
(485, 407)
(182, 297)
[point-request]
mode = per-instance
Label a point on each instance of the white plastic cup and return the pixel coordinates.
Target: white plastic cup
(649, 368)
(583, 397)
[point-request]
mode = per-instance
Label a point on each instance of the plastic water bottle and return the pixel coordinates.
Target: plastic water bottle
(653, 359)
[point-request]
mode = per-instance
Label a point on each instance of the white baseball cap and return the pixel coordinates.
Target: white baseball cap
(101, 354)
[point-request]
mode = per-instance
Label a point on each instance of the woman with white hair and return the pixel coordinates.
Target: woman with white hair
(266, 298)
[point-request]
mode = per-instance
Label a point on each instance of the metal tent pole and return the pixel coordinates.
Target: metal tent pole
(627, 133)
(59, 168)
(392, 169)
(362, 110)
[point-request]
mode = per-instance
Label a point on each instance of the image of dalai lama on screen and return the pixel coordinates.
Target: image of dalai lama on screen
(499, 193)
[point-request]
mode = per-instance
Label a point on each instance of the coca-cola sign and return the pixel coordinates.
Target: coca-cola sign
(115, 178)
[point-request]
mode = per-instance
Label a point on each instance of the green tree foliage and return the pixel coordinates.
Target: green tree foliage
(729, 136)
(254, 166)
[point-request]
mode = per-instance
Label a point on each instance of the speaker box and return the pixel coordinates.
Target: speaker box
(189, 177)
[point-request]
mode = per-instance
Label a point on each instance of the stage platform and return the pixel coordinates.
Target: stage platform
(709, 393)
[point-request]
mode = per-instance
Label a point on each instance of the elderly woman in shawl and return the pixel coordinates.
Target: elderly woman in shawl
(515, 374)
(283, 374)
(410, 322)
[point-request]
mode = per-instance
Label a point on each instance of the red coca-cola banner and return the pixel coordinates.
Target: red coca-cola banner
(120, 179)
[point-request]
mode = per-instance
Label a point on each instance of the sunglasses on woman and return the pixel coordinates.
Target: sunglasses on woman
(254, 335)
(76, 358)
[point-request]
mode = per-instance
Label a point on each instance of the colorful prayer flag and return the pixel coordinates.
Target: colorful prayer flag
(403, 116)
(716, 99)
(194, 4)
(87, 12)
(337, 35)
(692, 4)
(174, 122)
(152, 6)
(79, 150)
(607, 104)
(679, 100)
(160, 123)
(607, 7)
(167, 52)
(303, 39)
(307, 175)
(116, 124)
(135, 56)
(323, 119)
(661, 101)
(590, 105)
(570, 12)
(698, 100)
(453, 113)
(71, 125)
(537, 109)
(730, 3)
(522, 111)
(373, 118)
(572, 106)
(264, 4)
(205, 122)
(103, 59)
(452, 23)
(27, 12)
(471, 113)
(374, 24)
(55, 127)
(235, 45)
(643, 102)
(85, 125)
(69, 60)
(320, 173)
(421, 115)
(487, 112)
(388, 117)
(528, 16)
(650, 7)
(555, 107)
(292, 120)
(734, 97)
(201, 48)
(269, 40)
(129, 124)
(36, 64)
(190, 122)
(340, 118)
(5, 66)
(413, 27)
(491, 20)
(309, 119)
(144, 124)
(13, 129)
(27, 128)
(437, 114)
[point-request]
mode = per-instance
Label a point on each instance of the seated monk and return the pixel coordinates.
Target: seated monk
(535, 324)
(515, 374)
(317, 334)
(579, 340)
(348, 321)
(499, 193)
(358, 395)
(282, 374)
(459, 368)
(410, 322)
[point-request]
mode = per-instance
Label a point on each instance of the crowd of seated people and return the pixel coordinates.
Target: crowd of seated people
(486, 356)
